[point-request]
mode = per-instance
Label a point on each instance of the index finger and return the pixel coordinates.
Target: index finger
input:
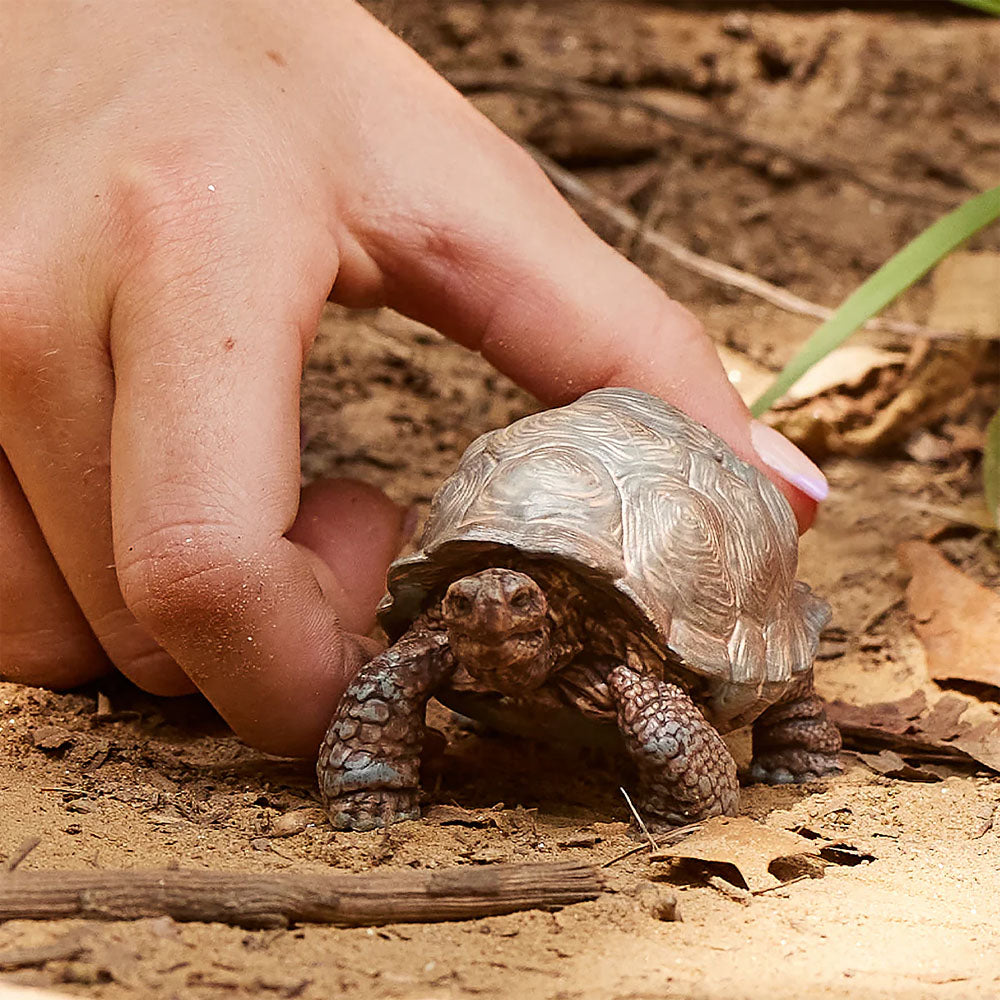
(559, 311)
(207, 353)
(472, 239)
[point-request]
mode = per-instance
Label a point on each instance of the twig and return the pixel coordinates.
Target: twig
(638, 818)
(471, 81)
(650, 219)
(277, 900)
(22, 852)
(572, 186)
(719, 884)
(781, 885)
(665, 840)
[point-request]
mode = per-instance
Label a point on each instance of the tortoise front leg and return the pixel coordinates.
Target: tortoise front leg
(793, 740)
(686, 771)
(369, 762)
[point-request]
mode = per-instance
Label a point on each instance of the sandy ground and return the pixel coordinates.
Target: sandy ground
(160, 782)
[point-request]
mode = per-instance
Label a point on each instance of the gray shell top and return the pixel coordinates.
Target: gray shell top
(697, 549)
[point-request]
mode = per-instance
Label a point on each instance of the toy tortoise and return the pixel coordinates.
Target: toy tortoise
(612, 557)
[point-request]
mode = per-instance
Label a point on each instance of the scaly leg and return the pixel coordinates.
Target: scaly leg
(369, 763)
(686, 771)
(794, 741)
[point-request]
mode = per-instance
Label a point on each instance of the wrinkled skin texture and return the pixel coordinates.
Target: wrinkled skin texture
(793, 740)
(498, 631)
(686, 771)
(185, 181)
(368, 765)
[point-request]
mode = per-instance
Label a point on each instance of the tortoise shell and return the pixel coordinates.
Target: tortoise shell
(693, 546)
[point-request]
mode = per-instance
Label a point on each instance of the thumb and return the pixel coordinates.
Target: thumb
(357, 531)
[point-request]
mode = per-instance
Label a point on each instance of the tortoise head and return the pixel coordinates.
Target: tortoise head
(498, 629)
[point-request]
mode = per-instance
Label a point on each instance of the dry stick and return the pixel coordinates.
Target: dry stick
(780, 885)
(471, 81)
(638, 819)
(277, 900)
(22, 852)
(665, 840)
(572, 186)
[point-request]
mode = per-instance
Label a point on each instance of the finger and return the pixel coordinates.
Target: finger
(44, 637)
(57, 392)
(207, 353)
(357, 531)
(473, 240)
(560, 312)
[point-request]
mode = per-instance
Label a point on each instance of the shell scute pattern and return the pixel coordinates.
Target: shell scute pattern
(629, 489)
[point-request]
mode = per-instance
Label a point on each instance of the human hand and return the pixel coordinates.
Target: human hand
(184, 182)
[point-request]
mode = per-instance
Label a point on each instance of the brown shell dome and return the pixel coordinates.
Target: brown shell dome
(641, 499)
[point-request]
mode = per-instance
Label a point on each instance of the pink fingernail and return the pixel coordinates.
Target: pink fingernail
(778, 453)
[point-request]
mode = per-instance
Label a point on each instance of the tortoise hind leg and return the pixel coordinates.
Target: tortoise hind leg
(793, 740)
(686, 771)
(369, 762)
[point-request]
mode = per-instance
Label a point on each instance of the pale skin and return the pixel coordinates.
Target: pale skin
(185, 181)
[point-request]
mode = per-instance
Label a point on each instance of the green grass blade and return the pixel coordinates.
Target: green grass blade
(990, 6)
(893, 277)
(991, 468)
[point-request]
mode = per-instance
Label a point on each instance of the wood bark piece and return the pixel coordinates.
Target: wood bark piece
(277, 900)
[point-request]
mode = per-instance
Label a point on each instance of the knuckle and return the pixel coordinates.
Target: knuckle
(167, 214)
(162, 190)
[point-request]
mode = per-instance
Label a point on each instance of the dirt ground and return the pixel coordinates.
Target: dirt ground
(904, 111)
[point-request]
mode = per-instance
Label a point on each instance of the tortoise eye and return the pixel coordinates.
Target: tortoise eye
(459, 604)
(521, 601)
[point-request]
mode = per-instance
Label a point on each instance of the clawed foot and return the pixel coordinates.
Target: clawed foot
(371, 810)
(793, 767)
(793, 741)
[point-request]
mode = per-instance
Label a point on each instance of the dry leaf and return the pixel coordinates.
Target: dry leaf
(965, 294)
(844, 368)
(983, 744)
(887, 405)
(957, 619)
(457, 816)
(745, 853)
(942, 721)
(507, 821)
(889, 763)
(860, 400)
(936, 735)
(885, 717)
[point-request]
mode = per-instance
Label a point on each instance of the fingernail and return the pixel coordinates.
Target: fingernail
(409, 524)
(778, 453)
